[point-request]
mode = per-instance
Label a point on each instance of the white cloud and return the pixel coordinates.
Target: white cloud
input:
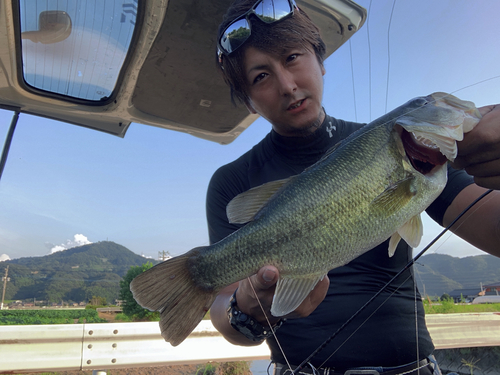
(4, 257)
(79, 240)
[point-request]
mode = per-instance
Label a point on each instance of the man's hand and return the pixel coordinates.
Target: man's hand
(264, 284)
(479, 152)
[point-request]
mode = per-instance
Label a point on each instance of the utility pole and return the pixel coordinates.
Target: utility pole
(4, 279)
(164, 255)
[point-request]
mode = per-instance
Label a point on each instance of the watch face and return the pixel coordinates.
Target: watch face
(246, 325)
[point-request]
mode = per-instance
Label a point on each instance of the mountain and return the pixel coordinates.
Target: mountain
(76, 274)
(438, 273)
(79, 273)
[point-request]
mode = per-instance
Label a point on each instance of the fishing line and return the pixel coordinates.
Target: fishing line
(321, 347)
(368, 318)
(477, 207)
(411, 262)
(408, 265)
(355, 135)
(353, 86)
(269, 323)
(369, 61)
(477, 83)
(347, 140)
(389, 54)
(416, 320)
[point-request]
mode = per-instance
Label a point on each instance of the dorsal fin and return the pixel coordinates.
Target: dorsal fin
(245, 206)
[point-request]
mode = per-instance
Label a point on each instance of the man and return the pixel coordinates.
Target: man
(276, 69)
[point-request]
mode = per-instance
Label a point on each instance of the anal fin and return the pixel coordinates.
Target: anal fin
(290, 292)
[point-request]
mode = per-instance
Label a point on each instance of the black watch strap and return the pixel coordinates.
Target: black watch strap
(247, 325)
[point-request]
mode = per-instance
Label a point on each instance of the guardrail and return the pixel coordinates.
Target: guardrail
(449, 331)
(102, 346)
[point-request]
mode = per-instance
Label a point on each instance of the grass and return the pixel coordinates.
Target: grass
(471, 364)
(120, 317)
(225, 368)
(449, 307)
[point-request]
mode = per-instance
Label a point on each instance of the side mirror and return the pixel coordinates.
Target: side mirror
(53, 26)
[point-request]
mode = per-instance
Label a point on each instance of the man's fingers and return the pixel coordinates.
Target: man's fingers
(487, 108)
(264, 279)
(261, 286)
(256, 293)
(267, 277)
(479, 152)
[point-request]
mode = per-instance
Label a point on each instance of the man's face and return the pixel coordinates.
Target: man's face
(286, 90)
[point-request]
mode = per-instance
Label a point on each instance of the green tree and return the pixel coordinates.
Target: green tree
(98, 301)
(446, 297)
(131, 307)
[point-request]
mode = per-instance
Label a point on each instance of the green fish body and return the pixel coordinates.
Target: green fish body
(370, 187)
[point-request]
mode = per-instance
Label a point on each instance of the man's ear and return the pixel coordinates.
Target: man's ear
(323, 70)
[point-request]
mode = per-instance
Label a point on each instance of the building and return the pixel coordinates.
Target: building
(465, 295)
(492, 289)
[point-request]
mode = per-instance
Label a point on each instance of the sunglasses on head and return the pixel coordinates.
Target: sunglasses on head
(239, 30)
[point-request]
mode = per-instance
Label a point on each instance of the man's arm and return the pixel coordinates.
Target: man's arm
(264, 284)
(481, 225)
(479, 155)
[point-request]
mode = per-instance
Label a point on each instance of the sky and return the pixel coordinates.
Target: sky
(66, 185)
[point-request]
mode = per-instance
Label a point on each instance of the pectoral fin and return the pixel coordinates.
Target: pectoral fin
(411, 232)
(290, 292)
(395, 197)
(243, 208)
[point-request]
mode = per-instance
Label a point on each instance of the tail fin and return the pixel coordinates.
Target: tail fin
(169, 288)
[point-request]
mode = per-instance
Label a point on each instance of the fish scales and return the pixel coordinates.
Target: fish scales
(368, 188)
(311, 219)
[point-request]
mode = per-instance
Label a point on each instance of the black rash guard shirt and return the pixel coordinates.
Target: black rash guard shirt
(385, 334)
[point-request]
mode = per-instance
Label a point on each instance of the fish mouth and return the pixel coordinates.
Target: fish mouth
(422, 153)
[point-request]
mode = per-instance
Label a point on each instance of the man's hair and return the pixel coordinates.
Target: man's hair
(276, 38)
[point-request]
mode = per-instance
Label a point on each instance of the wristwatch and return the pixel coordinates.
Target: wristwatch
(247, 325)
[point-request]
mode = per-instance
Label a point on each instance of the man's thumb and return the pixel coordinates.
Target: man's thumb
(267, 277)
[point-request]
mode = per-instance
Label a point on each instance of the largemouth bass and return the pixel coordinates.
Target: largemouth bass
(370, 187)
